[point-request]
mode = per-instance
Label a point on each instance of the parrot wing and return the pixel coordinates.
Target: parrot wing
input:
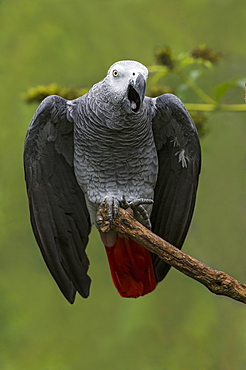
(179, 158)
(59, 216)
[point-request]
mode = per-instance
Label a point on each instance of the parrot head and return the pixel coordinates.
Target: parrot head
(127, 84)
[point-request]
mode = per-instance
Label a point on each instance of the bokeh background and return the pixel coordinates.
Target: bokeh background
(181, 325)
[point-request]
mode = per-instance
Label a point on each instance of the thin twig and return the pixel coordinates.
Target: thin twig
(199, 92)
(217, 282)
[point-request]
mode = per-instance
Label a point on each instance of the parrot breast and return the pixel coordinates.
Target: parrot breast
(115, 155)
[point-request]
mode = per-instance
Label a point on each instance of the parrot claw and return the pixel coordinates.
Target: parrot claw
(112, 208)
(138, 209)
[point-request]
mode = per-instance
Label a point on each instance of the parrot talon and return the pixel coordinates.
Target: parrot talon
(112, 208)
(144, 215)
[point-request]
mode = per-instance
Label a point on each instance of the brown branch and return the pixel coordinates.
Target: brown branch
(217, 282)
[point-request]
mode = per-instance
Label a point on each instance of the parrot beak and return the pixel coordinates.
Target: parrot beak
(135, 94)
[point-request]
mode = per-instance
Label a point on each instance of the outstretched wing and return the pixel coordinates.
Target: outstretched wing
(179, 158)
(58, 211)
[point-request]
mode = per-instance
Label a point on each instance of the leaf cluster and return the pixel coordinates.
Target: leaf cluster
(188, 66)
(37, 94)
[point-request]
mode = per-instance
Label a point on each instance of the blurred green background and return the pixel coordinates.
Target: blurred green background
(181, 325)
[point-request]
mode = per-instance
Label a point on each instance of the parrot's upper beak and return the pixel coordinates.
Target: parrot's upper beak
(135, 94)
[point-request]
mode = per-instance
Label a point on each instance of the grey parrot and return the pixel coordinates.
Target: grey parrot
(118, 146)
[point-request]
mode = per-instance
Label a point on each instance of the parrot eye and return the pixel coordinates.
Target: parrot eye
(115, 73)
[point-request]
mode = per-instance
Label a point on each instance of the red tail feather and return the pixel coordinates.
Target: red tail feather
(131, 268)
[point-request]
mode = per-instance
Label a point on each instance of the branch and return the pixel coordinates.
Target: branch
(216, 107)
(217, 282)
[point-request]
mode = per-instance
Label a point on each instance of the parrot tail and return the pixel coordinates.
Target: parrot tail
(131, 268)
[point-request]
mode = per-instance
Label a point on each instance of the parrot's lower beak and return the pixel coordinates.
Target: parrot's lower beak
(135, 94)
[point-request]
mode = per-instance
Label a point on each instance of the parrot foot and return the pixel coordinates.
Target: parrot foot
(113, 204)
(138, 209)
(112, 208)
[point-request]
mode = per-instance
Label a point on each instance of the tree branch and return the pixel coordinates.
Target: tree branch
(217, 282)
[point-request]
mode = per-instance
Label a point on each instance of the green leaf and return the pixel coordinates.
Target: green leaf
(221, 89)
(189, 60)
(195, 73)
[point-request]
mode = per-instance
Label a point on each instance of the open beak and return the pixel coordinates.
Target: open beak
(135, 94)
